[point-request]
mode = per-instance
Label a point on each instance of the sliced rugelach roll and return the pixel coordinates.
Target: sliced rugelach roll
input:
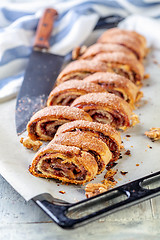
(65, 93)
(130, 39)
(89, 143)
(117, 84)
(80, 69)
(105, 108)
(123, 64)
(44, 123)
(67, 164)
(103, 132)
(98, 48)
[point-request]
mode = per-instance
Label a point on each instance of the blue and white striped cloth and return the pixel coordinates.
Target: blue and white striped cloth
(77, 19)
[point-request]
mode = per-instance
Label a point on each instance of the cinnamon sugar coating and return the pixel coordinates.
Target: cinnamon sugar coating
(66, 163)
(130, 64)
(98, 48)
(80, 69)
(102, 131)
(105, 108)
(67, 92)
(115, 83)
(87, 142)
(130, 39)
(44, 123)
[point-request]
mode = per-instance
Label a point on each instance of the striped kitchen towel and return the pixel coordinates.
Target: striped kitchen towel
(76, 20)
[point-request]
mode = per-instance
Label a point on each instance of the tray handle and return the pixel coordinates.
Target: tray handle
(58, 209)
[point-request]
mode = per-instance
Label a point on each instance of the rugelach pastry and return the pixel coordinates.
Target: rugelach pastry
(65, 163)
(65, 93)
(80, 69)
(89, 143)
(98, 48)
(105, 108)
(117, 84)
(103, 132)
(130, 39)
(44, 123)
(122, 64)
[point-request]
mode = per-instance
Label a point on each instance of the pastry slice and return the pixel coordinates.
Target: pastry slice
(103, 132)
(67, 164)
(98, 48)
(65, 93)
(105, 108)
(117, 84)
(89, 143)
(130, 39)
(80, 69)
(44, 124)
(123, 64)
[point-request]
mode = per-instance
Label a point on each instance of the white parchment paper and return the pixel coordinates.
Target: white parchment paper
(15, 159)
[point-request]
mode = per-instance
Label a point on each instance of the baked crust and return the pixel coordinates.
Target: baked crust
(65, 163)
(117, 84)
(80, 69)
(44, 123)
(65, 93)
(123, 64)
(89, 143)
(105, 108)
(130, 39)
(98, 48)
(105, 132)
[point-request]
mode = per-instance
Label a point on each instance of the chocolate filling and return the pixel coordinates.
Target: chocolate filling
(76, 75)
(106, 139)
(56, 167)
(97, 158)
(115, 119)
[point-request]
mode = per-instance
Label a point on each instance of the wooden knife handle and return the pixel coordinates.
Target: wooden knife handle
(45, 28)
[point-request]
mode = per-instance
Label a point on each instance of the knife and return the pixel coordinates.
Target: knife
(41, 73)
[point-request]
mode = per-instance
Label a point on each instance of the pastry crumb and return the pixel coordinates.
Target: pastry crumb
(78, 51)
(135, 120)
(153, 133)
(62, 192)
(128, 152)
(137, 164)
(123, 172)
(30, 144)
(93, 189)
(146, 76)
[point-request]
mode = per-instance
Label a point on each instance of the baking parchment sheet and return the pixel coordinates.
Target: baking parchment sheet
(15, 159)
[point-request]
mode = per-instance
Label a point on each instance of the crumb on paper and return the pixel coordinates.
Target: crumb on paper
(109, 174)
(139, 96)
(93, 189)
(155, 61)
(127, 135)
(131, 146)
(119, 179)
(153, 133)
(29, 143)
(137, 164)
(135, 120)
(111, 165)
(146, 76)
(123, 172)
(149, 146)
(62, 192)
(128, 152)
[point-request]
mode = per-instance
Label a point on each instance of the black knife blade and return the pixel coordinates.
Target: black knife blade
(41, 73)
